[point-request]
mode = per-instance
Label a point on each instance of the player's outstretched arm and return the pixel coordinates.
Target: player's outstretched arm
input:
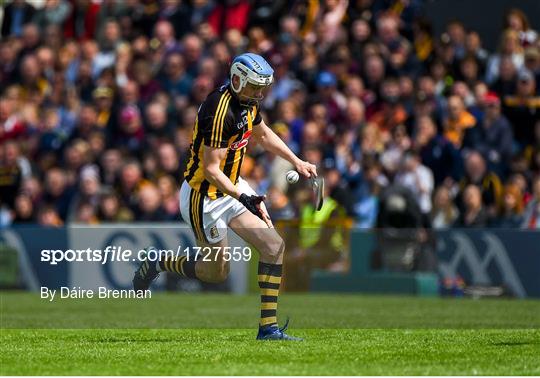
(271, 142)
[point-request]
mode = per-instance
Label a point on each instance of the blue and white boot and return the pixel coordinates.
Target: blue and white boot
(273, 332)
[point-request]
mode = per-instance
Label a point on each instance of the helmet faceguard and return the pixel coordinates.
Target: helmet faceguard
(255, 75)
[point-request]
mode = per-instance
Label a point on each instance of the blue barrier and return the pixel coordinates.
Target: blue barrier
(481, 257)
(509, 258)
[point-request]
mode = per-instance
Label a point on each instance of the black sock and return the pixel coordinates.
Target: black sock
(269, 282)
(183, 266)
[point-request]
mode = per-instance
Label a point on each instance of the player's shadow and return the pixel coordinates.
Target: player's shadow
(516, 343)
(136, 339)
(169, 339)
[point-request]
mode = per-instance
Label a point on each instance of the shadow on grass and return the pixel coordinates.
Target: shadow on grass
(517, 343)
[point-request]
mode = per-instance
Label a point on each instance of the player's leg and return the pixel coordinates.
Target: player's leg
(210, 229)
(271, 247)
(206, 263)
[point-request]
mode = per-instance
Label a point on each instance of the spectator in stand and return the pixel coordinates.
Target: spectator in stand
(110, 163)
(390, 111)
(23, 210)
(443, 213)
(11, 176)
(510, 47)
(517, 20)
(103, 100)
(178, 13)
(82, 21)
(418, 179)
(456, 35)
(330, 97)
(55, 12)
(149, 207)
(532, 63)
(30, 40)
(367, 189)
(130, 136)
(58, 192)
(87, 194)
(142, 75)
(48, 217)
(396, 149)
(176, 82)
(129, 182)
(457, 121)
(111, 9)
(169, 192)
(531, 217)
(480, 91)
(474, 214)
(280, 207)
(374, 72)
(469, 71)
(492, 136)
(158, 128)
(401, 61)
(168, 162)
(436, 152)
(511, 214)
(229, 15)
(332, 17)
(473, 47)
(355, 115)
(16, 14)
(85, 213)
(532, 151)
(8, 58)
(487, 182)
(506, 81)
(523, 108)
(192, 46)
(111, 210)
(11, 124)
(32, 188)
(388, 29)
(164, 41)
(33, 82)
(426, 102)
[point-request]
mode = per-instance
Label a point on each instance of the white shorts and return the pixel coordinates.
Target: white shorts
(209, 218)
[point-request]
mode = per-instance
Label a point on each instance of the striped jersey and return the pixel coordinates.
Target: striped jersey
(222, 122)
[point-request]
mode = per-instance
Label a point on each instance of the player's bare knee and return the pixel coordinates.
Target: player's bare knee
(220, 271)
(273, 247)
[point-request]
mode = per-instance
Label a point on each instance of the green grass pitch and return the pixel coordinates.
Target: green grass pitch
(213, 334)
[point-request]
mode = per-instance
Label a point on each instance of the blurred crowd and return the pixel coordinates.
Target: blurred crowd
(98, 101)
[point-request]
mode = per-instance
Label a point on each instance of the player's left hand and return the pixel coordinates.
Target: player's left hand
(306, 168)
(254, 204)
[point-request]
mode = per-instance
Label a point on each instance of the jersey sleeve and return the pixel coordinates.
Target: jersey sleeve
(258, 118)
(215, 126)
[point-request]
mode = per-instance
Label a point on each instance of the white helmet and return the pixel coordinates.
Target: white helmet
(251, 69)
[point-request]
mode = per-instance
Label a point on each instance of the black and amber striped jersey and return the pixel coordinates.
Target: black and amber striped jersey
(222, 122)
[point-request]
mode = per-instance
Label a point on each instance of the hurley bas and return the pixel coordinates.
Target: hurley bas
(102, 293)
